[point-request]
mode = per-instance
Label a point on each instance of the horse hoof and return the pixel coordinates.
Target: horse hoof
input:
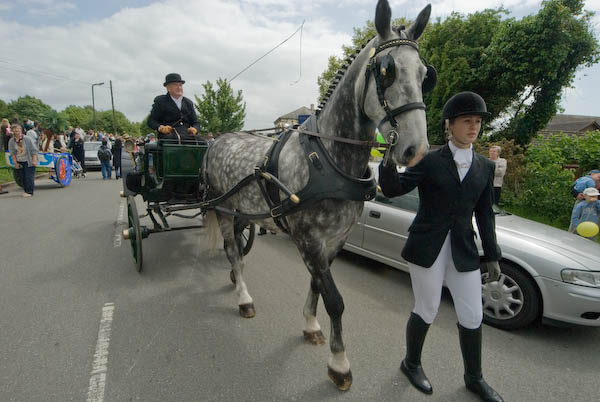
(342, 381)
(314, 338)
(247, 310)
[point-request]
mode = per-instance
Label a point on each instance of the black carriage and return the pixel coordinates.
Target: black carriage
(168, 176)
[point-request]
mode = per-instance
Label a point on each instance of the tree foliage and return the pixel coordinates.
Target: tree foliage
(79, 116)
(28, 108)
(520, 67)
(53, 121)
(220, 110)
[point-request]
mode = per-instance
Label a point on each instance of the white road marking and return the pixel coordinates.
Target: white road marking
(99, 367)
(120, 224)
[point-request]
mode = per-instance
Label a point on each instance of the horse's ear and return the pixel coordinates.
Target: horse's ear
(383, 19)
(417, 28)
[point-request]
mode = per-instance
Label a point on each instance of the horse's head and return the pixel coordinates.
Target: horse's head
(395, 80)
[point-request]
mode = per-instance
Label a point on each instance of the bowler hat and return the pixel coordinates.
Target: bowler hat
(173, 77)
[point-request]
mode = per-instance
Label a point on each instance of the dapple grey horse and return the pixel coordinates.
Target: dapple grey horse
(354, 109)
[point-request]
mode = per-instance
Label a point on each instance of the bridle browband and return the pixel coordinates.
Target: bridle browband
(372, 68)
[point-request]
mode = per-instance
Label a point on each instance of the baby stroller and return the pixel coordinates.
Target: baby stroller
(76, 169)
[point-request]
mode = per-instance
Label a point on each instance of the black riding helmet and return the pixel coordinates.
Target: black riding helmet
(464, 103)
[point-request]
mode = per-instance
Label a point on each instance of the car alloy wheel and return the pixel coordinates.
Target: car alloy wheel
(512, 301)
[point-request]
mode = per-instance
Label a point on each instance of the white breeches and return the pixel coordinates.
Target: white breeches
(465, 288)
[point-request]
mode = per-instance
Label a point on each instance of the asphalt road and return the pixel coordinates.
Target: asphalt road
(78, 323)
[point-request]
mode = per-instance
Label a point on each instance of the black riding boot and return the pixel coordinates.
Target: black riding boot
(416, 330)
(470, 346)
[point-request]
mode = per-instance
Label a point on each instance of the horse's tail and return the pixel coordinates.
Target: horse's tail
(213, 231)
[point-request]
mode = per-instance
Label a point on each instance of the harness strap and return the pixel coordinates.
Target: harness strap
(401, 109)
(362, 143)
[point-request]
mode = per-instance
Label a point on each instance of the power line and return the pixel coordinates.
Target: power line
(266, 54)
(37, 72)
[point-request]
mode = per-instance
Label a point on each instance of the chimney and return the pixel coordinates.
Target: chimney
(312, 108)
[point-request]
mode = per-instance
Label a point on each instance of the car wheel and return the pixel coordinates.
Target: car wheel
(512, 301)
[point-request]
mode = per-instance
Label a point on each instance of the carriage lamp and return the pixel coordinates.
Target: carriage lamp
(582, 278)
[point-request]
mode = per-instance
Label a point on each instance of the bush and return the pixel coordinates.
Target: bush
(543, 189)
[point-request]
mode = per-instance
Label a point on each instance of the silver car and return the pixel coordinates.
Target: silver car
(546, 272)
(91, 153)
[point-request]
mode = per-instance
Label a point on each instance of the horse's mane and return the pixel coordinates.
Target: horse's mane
(347, 62)
(340, 73)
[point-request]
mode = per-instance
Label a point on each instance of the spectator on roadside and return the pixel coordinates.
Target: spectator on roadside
(587, 210)
(78, 151)
(47, 144)
(499, 172)
(25, 157)
(30, 132)
(116, 151)
(591, 180)
(105, 156)
(6, 133)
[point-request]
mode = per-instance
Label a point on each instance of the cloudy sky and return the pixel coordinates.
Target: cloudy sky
(55, 49)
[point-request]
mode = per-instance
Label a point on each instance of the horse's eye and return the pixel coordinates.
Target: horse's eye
(387, 71)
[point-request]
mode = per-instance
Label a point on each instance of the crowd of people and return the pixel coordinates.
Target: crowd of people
(25, 139)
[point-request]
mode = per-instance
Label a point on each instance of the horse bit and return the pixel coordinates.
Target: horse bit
(384, 71)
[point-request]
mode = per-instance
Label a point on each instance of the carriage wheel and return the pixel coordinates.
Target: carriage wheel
(135, 233)
(248, 237)
(62, 170)
(17, 178)
(247, 240)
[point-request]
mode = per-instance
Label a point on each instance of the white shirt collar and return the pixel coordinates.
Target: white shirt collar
(177, 100)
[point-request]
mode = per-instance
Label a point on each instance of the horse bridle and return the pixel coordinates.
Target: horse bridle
(373, 68)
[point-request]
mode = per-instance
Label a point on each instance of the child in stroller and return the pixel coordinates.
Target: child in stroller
(76, 169)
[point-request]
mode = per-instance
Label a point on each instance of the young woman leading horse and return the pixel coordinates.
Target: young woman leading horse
(314, 182)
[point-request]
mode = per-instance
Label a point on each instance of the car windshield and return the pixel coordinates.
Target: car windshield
(91, 146)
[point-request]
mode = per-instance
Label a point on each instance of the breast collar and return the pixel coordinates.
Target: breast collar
(325, 179)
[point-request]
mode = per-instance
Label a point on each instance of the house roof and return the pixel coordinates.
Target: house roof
(296, 113)
(572, 123)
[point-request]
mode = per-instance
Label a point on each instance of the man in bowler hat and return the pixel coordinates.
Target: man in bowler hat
(173, 115)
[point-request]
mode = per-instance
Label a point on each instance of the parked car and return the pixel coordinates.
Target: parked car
(547, 273)
(91, 154)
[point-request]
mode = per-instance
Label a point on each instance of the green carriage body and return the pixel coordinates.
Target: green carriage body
(172, 171)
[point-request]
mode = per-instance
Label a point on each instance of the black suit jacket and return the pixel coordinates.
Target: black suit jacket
(165, 112)
(446, 204)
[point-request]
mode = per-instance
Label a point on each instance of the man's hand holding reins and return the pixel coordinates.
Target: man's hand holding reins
(165, 129)
(192, 131)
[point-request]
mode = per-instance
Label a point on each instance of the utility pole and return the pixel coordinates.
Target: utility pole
(113, 109)
(94, 104)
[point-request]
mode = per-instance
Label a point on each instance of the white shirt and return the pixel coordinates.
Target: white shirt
(463, 158)
(177, 101)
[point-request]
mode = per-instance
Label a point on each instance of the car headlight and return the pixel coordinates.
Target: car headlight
(583, 278)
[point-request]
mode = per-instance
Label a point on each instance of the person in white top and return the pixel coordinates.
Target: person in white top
(499, 172)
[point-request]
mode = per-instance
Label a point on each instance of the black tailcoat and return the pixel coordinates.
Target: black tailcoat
(447, 204)
(165, 112)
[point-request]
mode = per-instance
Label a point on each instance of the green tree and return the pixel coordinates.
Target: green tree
(77, 115)
(53, 121)
(520, 67)
(104, 122)
(220, 110)
(5, 112)
(28, 108)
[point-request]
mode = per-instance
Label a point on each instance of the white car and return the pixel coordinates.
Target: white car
(547, 273)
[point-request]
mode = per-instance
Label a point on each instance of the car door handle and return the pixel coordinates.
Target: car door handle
(375, 214)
